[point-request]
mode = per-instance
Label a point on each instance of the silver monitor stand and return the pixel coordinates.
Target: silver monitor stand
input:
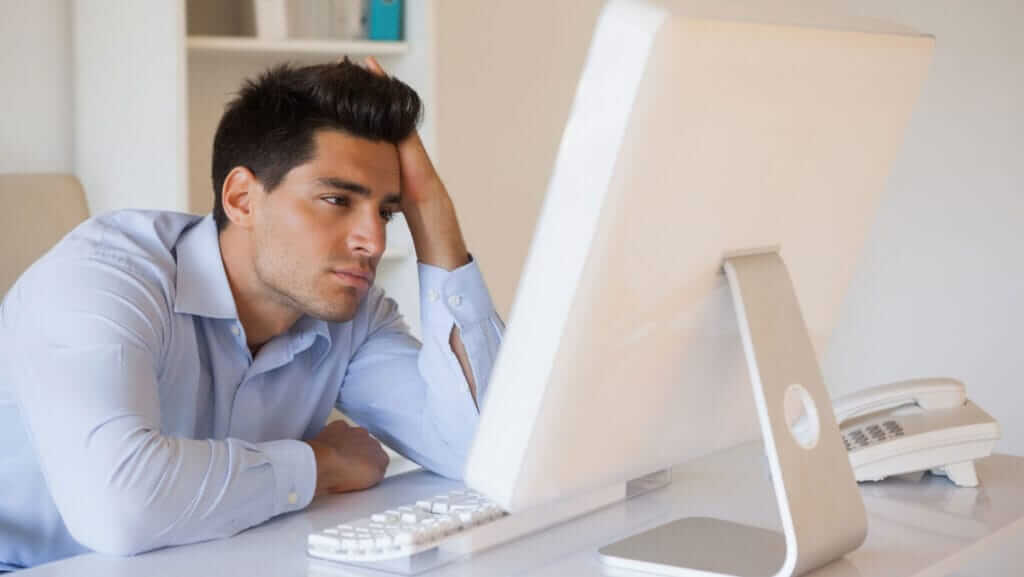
(810, 469)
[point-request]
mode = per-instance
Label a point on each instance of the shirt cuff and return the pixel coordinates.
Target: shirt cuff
(294, 474)
(459, 295)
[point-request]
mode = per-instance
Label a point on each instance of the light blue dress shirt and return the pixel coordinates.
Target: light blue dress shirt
(133, 416)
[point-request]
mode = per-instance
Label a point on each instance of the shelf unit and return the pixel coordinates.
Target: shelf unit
(293, 47)
(151, 80)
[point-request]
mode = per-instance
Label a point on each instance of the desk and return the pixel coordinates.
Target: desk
(925, 528)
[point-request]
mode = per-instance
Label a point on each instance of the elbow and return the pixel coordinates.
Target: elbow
(119, 543)
(115, 519)
(112, 508)
(111, 529)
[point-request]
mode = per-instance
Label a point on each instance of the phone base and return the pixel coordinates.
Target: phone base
(820, 507)
(962, 474)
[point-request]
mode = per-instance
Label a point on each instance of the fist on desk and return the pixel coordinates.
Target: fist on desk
(347, 459)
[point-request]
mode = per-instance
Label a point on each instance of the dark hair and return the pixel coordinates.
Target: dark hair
(269, 126)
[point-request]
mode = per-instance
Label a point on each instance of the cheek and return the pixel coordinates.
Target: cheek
(288, 220)
(316, 234)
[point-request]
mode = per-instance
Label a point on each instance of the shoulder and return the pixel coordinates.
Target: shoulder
(127, 236)
(132, 242)
(118, 268)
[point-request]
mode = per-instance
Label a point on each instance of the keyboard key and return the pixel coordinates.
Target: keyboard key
(429, 532)
(415, 516)
(325, 542)
(448, 524)
(405, 538)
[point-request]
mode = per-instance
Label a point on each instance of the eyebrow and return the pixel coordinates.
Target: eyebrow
(349, 186)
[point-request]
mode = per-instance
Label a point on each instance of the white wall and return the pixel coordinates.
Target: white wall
(130, 110)
(940, 289)
(937, 293)
(35, 97)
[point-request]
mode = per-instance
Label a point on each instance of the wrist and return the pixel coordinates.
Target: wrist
(326, 459)
(428, 207)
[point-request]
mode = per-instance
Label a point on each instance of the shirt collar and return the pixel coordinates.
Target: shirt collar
(308, 324)
(201, 287)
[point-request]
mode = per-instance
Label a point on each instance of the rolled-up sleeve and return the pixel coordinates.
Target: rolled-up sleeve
(414, 396)
(85, 371)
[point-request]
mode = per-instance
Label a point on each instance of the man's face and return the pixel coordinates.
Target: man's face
(319, 235)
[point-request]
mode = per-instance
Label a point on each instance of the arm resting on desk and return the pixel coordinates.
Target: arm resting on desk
(85, 371)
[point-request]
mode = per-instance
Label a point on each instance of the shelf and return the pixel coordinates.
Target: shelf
(294, 46)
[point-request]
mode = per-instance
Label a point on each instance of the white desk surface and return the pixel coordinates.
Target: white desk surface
(915, 528)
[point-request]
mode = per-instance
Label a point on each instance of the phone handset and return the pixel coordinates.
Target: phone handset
(927, 394)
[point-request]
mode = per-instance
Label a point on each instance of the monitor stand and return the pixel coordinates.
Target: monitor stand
(819, 505)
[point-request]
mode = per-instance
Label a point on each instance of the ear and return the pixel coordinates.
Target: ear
(240, 189)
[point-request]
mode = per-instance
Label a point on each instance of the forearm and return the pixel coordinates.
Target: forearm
(435, 231)
(438, 240)
(170, 491)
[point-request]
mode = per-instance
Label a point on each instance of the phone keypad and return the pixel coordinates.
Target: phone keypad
(872, 434)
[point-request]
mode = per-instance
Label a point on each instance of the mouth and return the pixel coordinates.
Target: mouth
(355, 278)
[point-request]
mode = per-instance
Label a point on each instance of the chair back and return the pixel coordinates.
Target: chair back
(37, 211)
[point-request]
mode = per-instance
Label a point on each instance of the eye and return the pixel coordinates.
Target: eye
(387, 214)
(336, 200)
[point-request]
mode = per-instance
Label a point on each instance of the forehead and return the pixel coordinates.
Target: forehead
(338, 154)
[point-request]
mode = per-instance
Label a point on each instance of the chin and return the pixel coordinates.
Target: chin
(334, 313)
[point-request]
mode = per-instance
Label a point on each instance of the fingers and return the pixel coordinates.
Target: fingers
(374, 66)
(335, 427)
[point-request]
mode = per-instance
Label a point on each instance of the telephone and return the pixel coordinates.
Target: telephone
(916, 425)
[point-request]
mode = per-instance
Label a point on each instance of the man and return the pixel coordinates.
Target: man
(166, 378)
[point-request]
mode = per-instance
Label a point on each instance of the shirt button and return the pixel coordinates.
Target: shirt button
(432, 295)
(455, 300)
(292, 498)
(235, 330)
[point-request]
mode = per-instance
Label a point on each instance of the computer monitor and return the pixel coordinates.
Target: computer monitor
(628, 349)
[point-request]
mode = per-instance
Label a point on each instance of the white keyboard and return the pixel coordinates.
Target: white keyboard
(404, 531)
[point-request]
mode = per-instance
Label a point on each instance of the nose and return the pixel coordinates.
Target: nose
(367, 236)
